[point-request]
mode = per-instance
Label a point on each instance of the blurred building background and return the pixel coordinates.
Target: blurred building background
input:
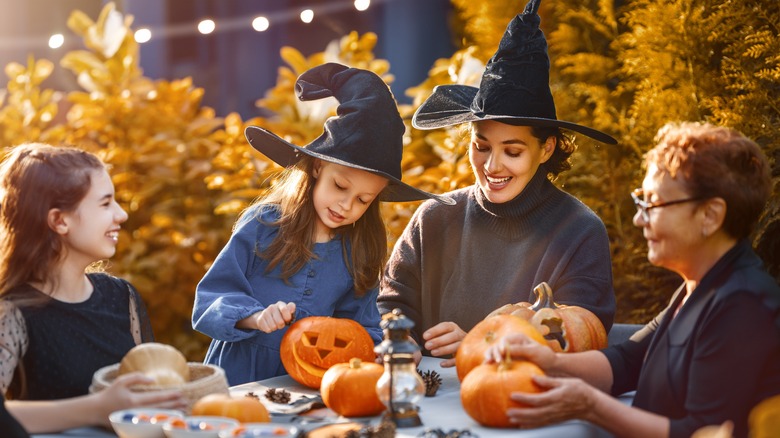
(235, 64)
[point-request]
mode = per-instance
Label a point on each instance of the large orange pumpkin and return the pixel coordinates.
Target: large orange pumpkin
(350, 389)
(566, 328)
(313, 344)
(485, 391)
(244, 409)
(471, 351)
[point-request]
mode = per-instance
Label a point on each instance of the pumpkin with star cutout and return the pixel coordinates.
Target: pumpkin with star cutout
(313, 344)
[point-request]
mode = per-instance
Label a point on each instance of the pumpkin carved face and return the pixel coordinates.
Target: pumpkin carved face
(566, 328)
(316, 343)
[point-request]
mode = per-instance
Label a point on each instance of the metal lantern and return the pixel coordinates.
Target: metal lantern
(400, 387)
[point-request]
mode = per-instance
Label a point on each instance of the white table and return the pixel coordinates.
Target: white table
(442, 411)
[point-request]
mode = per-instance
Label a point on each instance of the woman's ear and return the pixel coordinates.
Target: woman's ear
(714, 214)
(57, 221)
(548, 148)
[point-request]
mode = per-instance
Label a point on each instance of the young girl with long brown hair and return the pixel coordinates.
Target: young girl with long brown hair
(58, 323)
(316, 245)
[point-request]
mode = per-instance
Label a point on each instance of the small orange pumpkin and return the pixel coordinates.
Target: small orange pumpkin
(244, 409)
(313, 344)
(485, 391)
(566, 328)
(471, 351)
(350, 389)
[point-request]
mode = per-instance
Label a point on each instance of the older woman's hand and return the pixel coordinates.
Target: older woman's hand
(520, 346)
(565, 398)
(442, 339)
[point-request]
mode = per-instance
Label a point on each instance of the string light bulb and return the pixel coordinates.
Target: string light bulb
(362, 5)
(142, 35)
(307, 15)
(260, 24)
(56, 41)
(206, 26)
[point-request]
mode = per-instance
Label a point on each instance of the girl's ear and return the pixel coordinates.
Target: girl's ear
(316, 167)
(57, 222)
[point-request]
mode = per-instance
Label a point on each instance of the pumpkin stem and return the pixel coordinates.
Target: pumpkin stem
(354, 363)
(544, 297)
(506, 362)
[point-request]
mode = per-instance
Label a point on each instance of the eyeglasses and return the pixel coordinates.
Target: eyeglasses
(644, 207)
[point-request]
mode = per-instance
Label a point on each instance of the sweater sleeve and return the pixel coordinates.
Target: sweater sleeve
(13, 342)
(224, 296)
(401, 285)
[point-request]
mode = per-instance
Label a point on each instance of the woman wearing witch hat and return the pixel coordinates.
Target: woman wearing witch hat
(316, 244)
(512, 229)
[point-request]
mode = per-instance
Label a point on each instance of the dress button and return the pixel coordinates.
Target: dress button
(311, 273)
(307, 292)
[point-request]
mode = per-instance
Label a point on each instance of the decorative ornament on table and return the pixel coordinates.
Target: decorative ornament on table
(566, 328)
(400, 386)
(313, 344)
(432, 381)
(280, 396)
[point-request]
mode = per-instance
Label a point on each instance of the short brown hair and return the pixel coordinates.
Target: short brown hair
(714, 161)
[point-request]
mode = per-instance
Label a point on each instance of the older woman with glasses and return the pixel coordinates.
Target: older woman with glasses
(714, 352)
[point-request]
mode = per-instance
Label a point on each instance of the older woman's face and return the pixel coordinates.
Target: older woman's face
(504, 158)
(672, 231)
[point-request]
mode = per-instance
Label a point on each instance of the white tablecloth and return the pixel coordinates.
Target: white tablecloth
(442, 411)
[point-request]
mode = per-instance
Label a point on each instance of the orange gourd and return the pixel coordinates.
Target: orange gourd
(566, 328)
(244, 409)
(471, 351)
(350, 389)
(485, 391)
(313, 344)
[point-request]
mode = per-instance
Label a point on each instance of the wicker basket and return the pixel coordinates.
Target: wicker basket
(204, 379)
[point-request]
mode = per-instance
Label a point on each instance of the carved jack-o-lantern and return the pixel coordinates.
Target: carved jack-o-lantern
(316, 343)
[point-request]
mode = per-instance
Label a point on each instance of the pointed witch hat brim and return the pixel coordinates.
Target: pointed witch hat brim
(366, 134)
(515, 86)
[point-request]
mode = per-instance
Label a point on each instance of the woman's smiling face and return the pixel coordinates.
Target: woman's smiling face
(505, 157)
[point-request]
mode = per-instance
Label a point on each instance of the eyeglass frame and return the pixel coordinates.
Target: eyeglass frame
(643, 207)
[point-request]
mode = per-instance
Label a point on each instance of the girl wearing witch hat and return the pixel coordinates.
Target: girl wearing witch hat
(512, 229)
(316, 244)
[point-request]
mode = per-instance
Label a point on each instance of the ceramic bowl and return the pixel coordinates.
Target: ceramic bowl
(258, 430)
(198, 426)
(142, 422)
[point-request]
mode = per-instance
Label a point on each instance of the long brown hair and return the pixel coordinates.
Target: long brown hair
(292, 246)
(34, 178)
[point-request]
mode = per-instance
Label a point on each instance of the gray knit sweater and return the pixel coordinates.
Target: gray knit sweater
(459, 263)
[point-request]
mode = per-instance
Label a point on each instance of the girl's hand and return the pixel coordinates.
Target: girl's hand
(564, 399)
(520, 346)
(120, 396)
(442, 339)
(275, 317)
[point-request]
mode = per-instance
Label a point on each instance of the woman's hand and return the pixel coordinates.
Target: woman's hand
(120, 396)
(444, 339)
(520, 346)
(275, 317)
(564, 398)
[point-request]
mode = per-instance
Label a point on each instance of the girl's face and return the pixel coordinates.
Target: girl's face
(671, 231)
(341, 195)
(91, 231)
(505, 157)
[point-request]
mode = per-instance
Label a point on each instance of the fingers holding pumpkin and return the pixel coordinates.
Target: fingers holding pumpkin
(275, 316)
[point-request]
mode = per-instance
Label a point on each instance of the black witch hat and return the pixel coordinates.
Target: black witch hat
(515, 86)
(367, 132)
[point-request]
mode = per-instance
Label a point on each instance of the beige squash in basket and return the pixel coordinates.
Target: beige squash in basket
(163, 363)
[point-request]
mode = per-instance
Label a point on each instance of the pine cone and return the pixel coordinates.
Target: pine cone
(280, 396)
(432, 381)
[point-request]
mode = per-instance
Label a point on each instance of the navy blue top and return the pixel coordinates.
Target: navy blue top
(716, 359)
(237, 286)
